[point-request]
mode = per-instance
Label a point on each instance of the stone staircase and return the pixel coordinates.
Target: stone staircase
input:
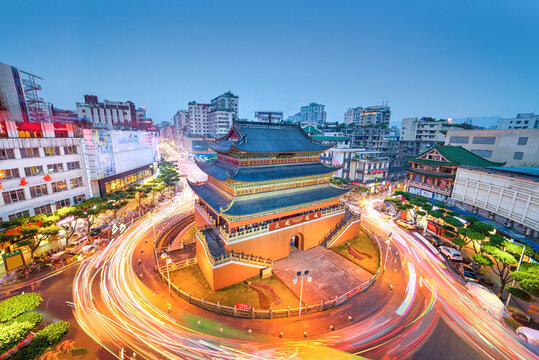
(349, 217)
(215, 245)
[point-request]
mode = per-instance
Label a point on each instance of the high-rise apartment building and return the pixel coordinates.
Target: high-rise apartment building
(521, 121)
(220, 122)
(198, 119)
(226, 101)
(376, 115)
(314, 114)
(424, 129)
(110, 114)
(353, 116)
(180, 122)
(273, 117)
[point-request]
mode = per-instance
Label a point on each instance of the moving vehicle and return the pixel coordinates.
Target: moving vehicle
(451, 253)
(95, 231)
(529, 335)
(467, 273)
(387, 216)
(433, 239)
(74, 245)
(87, 249)
(406, 224)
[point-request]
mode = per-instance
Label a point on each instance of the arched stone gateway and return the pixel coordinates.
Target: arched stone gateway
(298, 241)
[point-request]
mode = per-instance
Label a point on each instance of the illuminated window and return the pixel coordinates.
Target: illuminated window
(52, 151)
(7, 154)
(75, 183)
(44, 209)
(13, 196)
(33, 170)
(19, 214)
(62, 203)
(70, 150)
(29, 153)
(54, 168)
(38, 190)
(9, 174)
(59, 186)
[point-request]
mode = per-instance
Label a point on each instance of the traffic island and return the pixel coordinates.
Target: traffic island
(360, 250)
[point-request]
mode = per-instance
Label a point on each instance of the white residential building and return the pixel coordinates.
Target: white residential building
(376, 115)
(109, 114)
(226, 101)
(508, 195)
(198, 119)
(521, 121)
(313, 114)
(39, 175)
(424, 129)
(220, 122)
(353, 116)
(515, 147)
(181, 122)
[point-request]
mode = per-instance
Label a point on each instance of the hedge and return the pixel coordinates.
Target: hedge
(17, 305)
(519, 293)
(14, 331)
(49, 336)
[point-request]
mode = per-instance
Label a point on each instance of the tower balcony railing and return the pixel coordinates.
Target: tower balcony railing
(204, 212)
(433, 188)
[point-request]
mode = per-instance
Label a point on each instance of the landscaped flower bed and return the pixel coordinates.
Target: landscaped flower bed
(15, 330)
(17, 305)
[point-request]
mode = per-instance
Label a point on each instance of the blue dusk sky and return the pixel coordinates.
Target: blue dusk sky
(427, 58)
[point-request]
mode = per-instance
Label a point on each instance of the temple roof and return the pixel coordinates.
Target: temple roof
(256, 137)
(222, 171)
(454, 155)
(265, 202)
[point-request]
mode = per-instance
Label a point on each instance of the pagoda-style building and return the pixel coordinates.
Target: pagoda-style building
(266, 194)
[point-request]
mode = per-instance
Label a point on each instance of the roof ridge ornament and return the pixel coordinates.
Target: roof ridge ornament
(228, 206)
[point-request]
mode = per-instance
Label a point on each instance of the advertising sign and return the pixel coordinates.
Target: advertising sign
(13, 260)
(293, 221)
(377, 171)
(133, 149)
(357, 290)
(241, 306)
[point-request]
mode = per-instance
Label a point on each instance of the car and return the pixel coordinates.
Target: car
(451, 253)
(468, 273)
(387, 216)
(74, 245)
(529, 335)
(95, 231)
(405, 224)
(87, 249)
(433, 239)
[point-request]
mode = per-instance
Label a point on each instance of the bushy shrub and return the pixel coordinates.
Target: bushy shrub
(519, 293)
(18, 304)
(49, 336)
(13, 331)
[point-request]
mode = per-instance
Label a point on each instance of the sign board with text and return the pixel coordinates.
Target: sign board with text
(294, 221)
(241, 306)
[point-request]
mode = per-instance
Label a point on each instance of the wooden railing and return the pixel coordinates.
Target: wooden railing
(205, 213)
(424, 186)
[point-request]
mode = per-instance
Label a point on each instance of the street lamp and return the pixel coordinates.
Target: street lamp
(300, 275)
(518, 268)
(387, 249)
(168, 262)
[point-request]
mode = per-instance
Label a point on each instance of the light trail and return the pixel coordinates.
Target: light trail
(118, 308)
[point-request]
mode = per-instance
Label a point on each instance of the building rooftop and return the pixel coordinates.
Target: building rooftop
(521, 170)
(331, 138)
(222, 171)
(268, 201)
(455, 155)
(255, 137)
(311, 130)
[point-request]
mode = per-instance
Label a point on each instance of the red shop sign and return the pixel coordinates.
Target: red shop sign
(241, 306)
(294, 221)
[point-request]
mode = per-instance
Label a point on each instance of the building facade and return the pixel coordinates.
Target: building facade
(220, 122)
(226, 101)
(515, 147)
(267, 193)
(314, 114)
(507, 195)
(521, 121)
(110, 114)
(432, 174)
(180, 122)
(199, 123)
(274, 117)
(376, 115)
(40, 172)
(424, 129)
(353, 116)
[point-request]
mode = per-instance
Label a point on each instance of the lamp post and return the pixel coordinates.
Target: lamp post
(387, 249)
(168, 261)
(300, 275)
(513, 284)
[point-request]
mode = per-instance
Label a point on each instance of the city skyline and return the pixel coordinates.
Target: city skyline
(473, 68)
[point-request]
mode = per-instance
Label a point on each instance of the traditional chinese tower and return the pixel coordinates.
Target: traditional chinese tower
(266, 194)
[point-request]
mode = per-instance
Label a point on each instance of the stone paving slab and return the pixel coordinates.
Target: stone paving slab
(332, 274)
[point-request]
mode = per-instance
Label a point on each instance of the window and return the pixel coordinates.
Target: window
(44, 209)
(72, 165)
(522, 141)
(6, 154)
(33, 170)
(484, 140)
(38, 190)
(59, 186)
(518, 155)
(9, 174)
(70, 150)
(487, 154)
(78, 199)
(51, 151)
(75, 183)
(29, 153)
(459, 139)
(62, 203)
(19, 214)
(13, 196)
(54, 168)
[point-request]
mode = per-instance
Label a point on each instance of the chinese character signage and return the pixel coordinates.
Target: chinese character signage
(294, 221)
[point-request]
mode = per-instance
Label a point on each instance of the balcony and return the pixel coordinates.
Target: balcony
(204, 212)
(433, 188)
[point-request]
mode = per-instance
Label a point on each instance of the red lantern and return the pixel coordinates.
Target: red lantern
(0, 185)
(23, 182)
(47, 177)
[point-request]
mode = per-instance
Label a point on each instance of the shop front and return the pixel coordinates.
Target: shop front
(124, 180)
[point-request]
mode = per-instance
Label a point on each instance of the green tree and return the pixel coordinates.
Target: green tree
(138, 192)
(69, 216)
(527, 278)
(90, 211)
(115, 202)
(467, 235)
(500, 262)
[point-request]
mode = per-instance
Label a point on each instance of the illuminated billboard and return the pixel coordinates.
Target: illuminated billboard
(133, 149)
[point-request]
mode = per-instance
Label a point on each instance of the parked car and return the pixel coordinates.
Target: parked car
(529, 335)
(95, 231)
(451, 253)
(387, 216)
(87, 249)
(467, 273)
(406, 224)
(433, 239)
(74, 245)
